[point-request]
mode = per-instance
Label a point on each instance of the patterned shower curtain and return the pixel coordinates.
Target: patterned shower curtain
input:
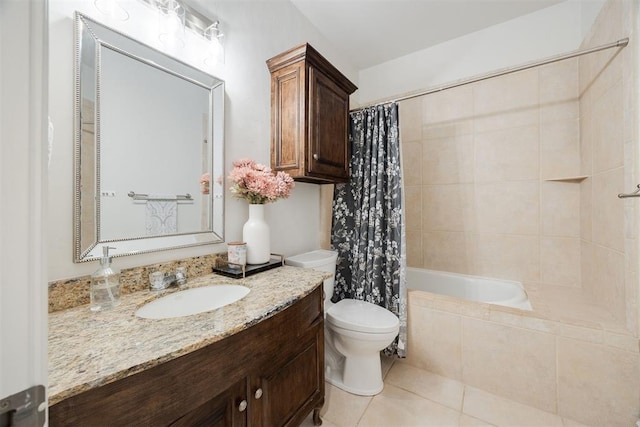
(368, 225)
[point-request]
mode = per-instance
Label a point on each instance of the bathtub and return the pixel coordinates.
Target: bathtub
(472, 288)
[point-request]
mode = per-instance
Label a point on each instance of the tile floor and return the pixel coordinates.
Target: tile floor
(415, 397)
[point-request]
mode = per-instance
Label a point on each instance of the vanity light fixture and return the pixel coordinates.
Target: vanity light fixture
(215, 52)
(176, 17)
(172, 19)
(112, 9)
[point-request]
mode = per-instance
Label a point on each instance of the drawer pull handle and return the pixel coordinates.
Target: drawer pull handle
(258, 394)
(315, 156)
(242, 406)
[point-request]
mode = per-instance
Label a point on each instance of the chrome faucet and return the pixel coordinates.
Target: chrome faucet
(169, 280)
(159, 281)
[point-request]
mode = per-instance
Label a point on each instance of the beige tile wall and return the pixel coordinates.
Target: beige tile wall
(483, 201)
(603, 82)
(516, 177)
(476, 158)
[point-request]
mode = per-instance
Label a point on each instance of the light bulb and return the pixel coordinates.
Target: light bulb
(172, 24)
(215, 52)
(112, 9)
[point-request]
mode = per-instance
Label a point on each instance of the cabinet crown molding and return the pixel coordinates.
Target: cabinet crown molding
(306, 52)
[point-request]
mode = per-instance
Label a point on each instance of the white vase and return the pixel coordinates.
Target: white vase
(256, 234)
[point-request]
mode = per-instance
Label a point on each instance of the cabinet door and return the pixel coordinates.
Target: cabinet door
(228, 409)
(328, 131)
(287, 119)
(287, 394)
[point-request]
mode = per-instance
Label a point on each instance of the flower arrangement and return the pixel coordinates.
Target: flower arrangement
(205, 181)
(257, 183)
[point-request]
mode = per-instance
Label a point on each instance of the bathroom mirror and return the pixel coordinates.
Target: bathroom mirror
(149, 135)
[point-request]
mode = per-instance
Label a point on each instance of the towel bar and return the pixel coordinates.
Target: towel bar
(634, 194)
(140, 196)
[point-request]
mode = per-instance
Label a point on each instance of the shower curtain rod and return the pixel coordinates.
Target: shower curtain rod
(620, 43)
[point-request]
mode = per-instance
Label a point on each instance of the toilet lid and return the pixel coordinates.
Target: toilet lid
(362, 316)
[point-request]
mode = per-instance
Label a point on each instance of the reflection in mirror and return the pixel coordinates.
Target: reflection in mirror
(149, 148)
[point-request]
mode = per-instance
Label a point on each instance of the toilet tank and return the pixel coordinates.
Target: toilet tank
(320, 259)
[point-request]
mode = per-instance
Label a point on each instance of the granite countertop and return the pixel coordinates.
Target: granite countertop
(87, 349)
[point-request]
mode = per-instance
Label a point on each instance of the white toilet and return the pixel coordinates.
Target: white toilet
(355, 332)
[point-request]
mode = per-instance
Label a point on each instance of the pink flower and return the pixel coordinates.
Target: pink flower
(205, 181)
(284, 184)
(257, 183)
(242, 163)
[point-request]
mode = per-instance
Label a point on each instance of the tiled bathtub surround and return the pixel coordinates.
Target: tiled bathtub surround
(587, 374)
(516, 177)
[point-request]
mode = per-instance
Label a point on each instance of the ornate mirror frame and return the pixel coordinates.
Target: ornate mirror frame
(92, 40)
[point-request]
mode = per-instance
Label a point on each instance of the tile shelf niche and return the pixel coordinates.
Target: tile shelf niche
(577, 179)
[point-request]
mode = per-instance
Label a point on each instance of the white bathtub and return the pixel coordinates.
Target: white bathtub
(472, 288)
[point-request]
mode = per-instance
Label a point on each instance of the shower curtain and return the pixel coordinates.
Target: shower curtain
(368, 225)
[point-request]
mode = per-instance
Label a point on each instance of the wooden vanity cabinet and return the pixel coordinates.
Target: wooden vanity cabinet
(309, 116)
(271, 374)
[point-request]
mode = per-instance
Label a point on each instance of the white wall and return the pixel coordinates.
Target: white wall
(551, 31)
(255, 31)
(23, 130)
(590, 10)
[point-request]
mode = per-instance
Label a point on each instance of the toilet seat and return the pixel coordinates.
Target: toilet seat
(362, 316)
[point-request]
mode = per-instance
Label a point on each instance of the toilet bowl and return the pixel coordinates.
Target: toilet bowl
(355, 332)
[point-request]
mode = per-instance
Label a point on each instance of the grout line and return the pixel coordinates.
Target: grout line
(365, 411)
(462, 376)
(540, 182)
(464, 394)
(557, 402)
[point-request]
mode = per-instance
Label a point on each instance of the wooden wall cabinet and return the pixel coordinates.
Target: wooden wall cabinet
(271, 374)
(309, 116)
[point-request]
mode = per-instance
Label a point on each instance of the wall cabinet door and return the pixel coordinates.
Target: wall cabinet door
(309, 116)
(328, 146)
(287, 119)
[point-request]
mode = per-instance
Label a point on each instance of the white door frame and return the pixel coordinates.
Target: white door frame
(23, 186)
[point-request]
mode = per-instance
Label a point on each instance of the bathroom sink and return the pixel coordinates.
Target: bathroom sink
(192, 301)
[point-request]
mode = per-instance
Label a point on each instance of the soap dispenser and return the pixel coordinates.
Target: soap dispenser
(105, 284)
